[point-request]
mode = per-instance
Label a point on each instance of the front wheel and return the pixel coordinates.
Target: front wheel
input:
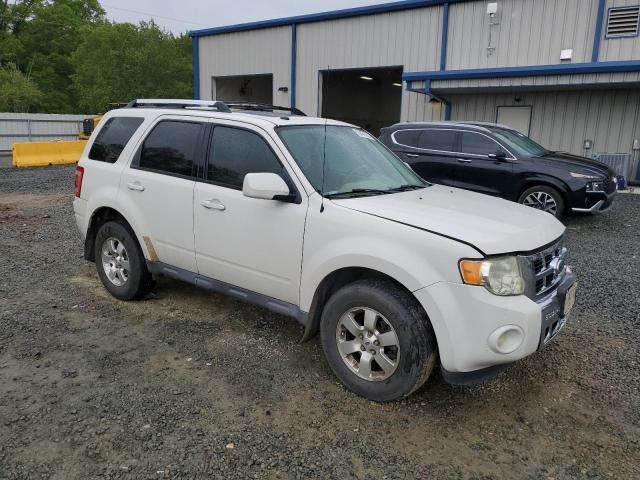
(378, 340)
(544, 198)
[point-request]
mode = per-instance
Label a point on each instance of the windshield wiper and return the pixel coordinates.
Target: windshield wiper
(359, 191)
(406, 188)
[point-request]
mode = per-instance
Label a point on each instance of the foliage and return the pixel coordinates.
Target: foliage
(18, 93)
(81, 62)
(119, 62)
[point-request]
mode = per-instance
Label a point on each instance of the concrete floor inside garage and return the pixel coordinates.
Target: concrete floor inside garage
(370, 98)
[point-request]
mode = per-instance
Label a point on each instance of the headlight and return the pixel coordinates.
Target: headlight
(595, 186)
(582, 175)
(501, 276)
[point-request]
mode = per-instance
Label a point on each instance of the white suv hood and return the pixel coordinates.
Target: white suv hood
(490, 224)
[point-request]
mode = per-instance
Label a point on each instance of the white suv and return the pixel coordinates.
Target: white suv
(317, 220)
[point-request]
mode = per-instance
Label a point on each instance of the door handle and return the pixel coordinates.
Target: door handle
(135, 186)
(213, 205)
(412, 155)
(465, 160)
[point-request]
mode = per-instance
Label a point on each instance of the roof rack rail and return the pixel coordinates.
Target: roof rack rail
(177, 103)
(264, 107)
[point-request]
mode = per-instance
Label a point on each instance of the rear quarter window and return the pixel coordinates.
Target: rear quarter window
(113, 137)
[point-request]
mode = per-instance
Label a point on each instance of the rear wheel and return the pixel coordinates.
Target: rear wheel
(120, 263)
(544, 198)
(378, 340)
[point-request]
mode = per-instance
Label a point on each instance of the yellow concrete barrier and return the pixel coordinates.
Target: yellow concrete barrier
(42, 154)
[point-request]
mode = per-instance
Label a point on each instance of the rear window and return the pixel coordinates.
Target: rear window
(435, 139)
(171, 148)
(409, 138)
(113, 137)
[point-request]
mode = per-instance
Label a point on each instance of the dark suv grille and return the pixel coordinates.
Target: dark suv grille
(546, 268)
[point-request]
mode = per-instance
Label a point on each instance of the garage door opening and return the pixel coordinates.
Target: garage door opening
(243, 88)
(370, 98)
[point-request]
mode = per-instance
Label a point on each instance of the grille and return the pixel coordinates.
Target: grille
(547, 268)
(623, 22)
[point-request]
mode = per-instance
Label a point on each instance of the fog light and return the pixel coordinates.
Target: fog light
(506, 339)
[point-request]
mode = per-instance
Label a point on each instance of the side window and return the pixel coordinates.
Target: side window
(235, 152)
(477, 144)
(409, 138)
(434, 139)
(171, 147)
(113, 137)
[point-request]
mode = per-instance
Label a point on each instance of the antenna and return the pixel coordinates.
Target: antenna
(324, 147)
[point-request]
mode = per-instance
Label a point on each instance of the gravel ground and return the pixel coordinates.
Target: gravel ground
(191, 384)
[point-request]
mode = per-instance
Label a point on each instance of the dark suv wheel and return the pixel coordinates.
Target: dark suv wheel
(120, 263)
(544, 198)
(378, 340)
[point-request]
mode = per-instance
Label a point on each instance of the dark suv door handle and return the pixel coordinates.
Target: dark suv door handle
(465, 160)
(412, 155)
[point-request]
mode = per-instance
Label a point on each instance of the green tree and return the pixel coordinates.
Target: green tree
(18, 93)
(119, 62)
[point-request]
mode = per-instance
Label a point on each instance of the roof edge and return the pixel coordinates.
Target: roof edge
(318, 17)
(526, 71)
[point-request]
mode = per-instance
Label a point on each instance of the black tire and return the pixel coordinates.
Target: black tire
(417, 343)
(544, 189)
(139, 280)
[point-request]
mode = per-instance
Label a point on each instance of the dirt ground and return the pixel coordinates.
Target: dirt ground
(194, 385)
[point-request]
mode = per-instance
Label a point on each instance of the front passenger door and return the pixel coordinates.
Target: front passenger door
(247, 242)
(477, 168)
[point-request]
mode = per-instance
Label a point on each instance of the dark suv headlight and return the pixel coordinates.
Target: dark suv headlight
(596, 186)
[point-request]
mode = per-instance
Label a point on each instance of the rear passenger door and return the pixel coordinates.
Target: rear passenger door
(158, 189)
(477, 171)
(247, 242)
(429, 152)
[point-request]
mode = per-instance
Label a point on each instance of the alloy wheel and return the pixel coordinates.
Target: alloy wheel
(542, 201)
(368, 344)
(115, 261)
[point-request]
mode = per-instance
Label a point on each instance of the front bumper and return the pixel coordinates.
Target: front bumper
(597, 202)
(467, 320)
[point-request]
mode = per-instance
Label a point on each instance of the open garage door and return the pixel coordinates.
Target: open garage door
(243, 88)
(370, 98)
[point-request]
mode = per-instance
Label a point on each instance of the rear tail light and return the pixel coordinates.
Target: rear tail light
(78, 183)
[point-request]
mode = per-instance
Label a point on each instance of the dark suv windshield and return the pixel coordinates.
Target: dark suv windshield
(356, 163)
(519, 143)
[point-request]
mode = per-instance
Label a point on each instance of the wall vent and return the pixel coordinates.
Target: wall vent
(623, 22)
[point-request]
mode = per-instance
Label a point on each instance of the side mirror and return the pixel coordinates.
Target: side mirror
(499, 155)
(266, 186)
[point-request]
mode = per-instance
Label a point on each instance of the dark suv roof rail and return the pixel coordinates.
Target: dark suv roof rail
(264, 107)
(177, 103)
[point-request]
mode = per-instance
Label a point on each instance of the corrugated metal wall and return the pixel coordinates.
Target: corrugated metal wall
(528, 32)
(245, 53)
(563, 120)
(38, 127)
(407, 38)
(619, 48)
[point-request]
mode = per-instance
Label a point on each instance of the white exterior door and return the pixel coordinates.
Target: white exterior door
(157, 189)
(518, 118)
(249, 243)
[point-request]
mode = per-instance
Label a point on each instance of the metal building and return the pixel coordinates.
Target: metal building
(562, 71)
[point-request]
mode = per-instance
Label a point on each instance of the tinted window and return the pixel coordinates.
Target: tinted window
(171, 147)
(409, 138)
(235, 152)
(434, 139)
(478, 144)
(113, 137)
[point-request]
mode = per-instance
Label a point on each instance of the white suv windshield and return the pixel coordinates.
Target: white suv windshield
(356, 163)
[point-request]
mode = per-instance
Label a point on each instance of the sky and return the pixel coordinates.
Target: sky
(179, 16)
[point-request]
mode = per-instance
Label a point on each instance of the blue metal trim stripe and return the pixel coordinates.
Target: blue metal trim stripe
(527, 71)
(195, 41)
(294, 58)
(595, 55)
(445, 37)
(317, 17)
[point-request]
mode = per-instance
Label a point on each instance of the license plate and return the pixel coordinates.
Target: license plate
(570, 299)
